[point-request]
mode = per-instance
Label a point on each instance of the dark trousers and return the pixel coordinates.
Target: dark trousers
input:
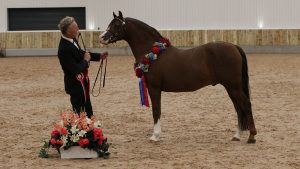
(79, 104)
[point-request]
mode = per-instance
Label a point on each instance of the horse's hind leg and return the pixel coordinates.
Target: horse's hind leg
(237, 135)
(243, 108)
(155, 96)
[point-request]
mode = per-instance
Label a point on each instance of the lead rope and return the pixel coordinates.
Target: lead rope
(100, 70)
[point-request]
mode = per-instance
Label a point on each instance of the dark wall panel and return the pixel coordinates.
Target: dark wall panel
(22, 19)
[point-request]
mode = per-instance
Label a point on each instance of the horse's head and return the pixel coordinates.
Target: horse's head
(115, 30)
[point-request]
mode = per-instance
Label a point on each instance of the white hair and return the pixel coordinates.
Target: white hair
(65, 23)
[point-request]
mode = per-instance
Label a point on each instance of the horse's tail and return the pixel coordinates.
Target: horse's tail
(242, 116)
(245, 77)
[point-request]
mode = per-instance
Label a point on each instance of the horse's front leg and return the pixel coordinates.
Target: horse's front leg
(155, 95)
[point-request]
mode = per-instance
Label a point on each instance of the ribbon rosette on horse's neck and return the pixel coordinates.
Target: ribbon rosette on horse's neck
(143, 67)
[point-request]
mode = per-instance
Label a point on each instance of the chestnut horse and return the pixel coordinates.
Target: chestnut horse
(177, 70)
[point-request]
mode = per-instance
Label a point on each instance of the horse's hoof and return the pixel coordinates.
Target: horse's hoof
(235, 139)
(251, 141)
(154, 138)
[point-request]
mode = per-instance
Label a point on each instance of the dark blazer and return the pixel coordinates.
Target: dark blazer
(72, 63)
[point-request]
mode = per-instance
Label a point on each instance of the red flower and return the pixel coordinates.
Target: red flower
(146, 61)
(100, 142)
(64, 131)
(166, 41)
(102, 138)
(97, 133)
(83, 142)
(54, 133)
(138, 72)
(86, 141)
(80, 142)
(59, 142)
(53, 141)
(155, 49)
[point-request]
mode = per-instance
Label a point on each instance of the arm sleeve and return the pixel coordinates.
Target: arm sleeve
(69, 64)
(95, 56)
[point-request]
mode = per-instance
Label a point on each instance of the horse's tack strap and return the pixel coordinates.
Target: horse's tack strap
(81, 77)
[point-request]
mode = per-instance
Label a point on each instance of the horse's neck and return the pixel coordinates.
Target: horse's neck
(140, 47)
(140, 41)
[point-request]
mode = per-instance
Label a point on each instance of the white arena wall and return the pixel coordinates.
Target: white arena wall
(178, 14)
(172, 15)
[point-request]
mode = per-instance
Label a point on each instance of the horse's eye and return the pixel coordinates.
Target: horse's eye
(118, 26)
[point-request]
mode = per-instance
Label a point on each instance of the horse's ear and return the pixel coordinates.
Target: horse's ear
(120, 15)
(114, 15)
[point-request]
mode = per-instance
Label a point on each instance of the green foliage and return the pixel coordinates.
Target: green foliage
(44, 150)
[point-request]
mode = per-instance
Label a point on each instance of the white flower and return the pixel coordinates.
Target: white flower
(75, 138)
(65, 140)
(74, 129)
(97, 124)
(81, 133)
(88, 121)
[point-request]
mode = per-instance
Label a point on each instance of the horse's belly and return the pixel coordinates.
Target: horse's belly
(188, 75)
(184, 86)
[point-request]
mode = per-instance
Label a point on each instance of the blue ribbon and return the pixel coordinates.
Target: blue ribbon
(141, 92)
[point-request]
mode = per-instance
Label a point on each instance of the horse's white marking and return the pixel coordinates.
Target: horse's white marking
(101, 39)
(156, 132)
(237, 134)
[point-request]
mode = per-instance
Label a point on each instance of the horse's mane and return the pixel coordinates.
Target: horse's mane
(144, 26)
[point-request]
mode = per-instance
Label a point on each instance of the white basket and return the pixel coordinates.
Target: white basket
(77, 152)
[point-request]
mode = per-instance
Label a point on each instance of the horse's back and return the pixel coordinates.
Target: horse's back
(225, 59)
(210, 56)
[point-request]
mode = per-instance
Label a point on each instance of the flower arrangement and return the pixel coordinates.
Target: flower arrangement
(147, 59)
(77, 130)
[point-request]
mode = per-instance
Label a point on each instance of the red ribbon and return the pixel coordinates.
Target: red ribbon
(86, 88)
